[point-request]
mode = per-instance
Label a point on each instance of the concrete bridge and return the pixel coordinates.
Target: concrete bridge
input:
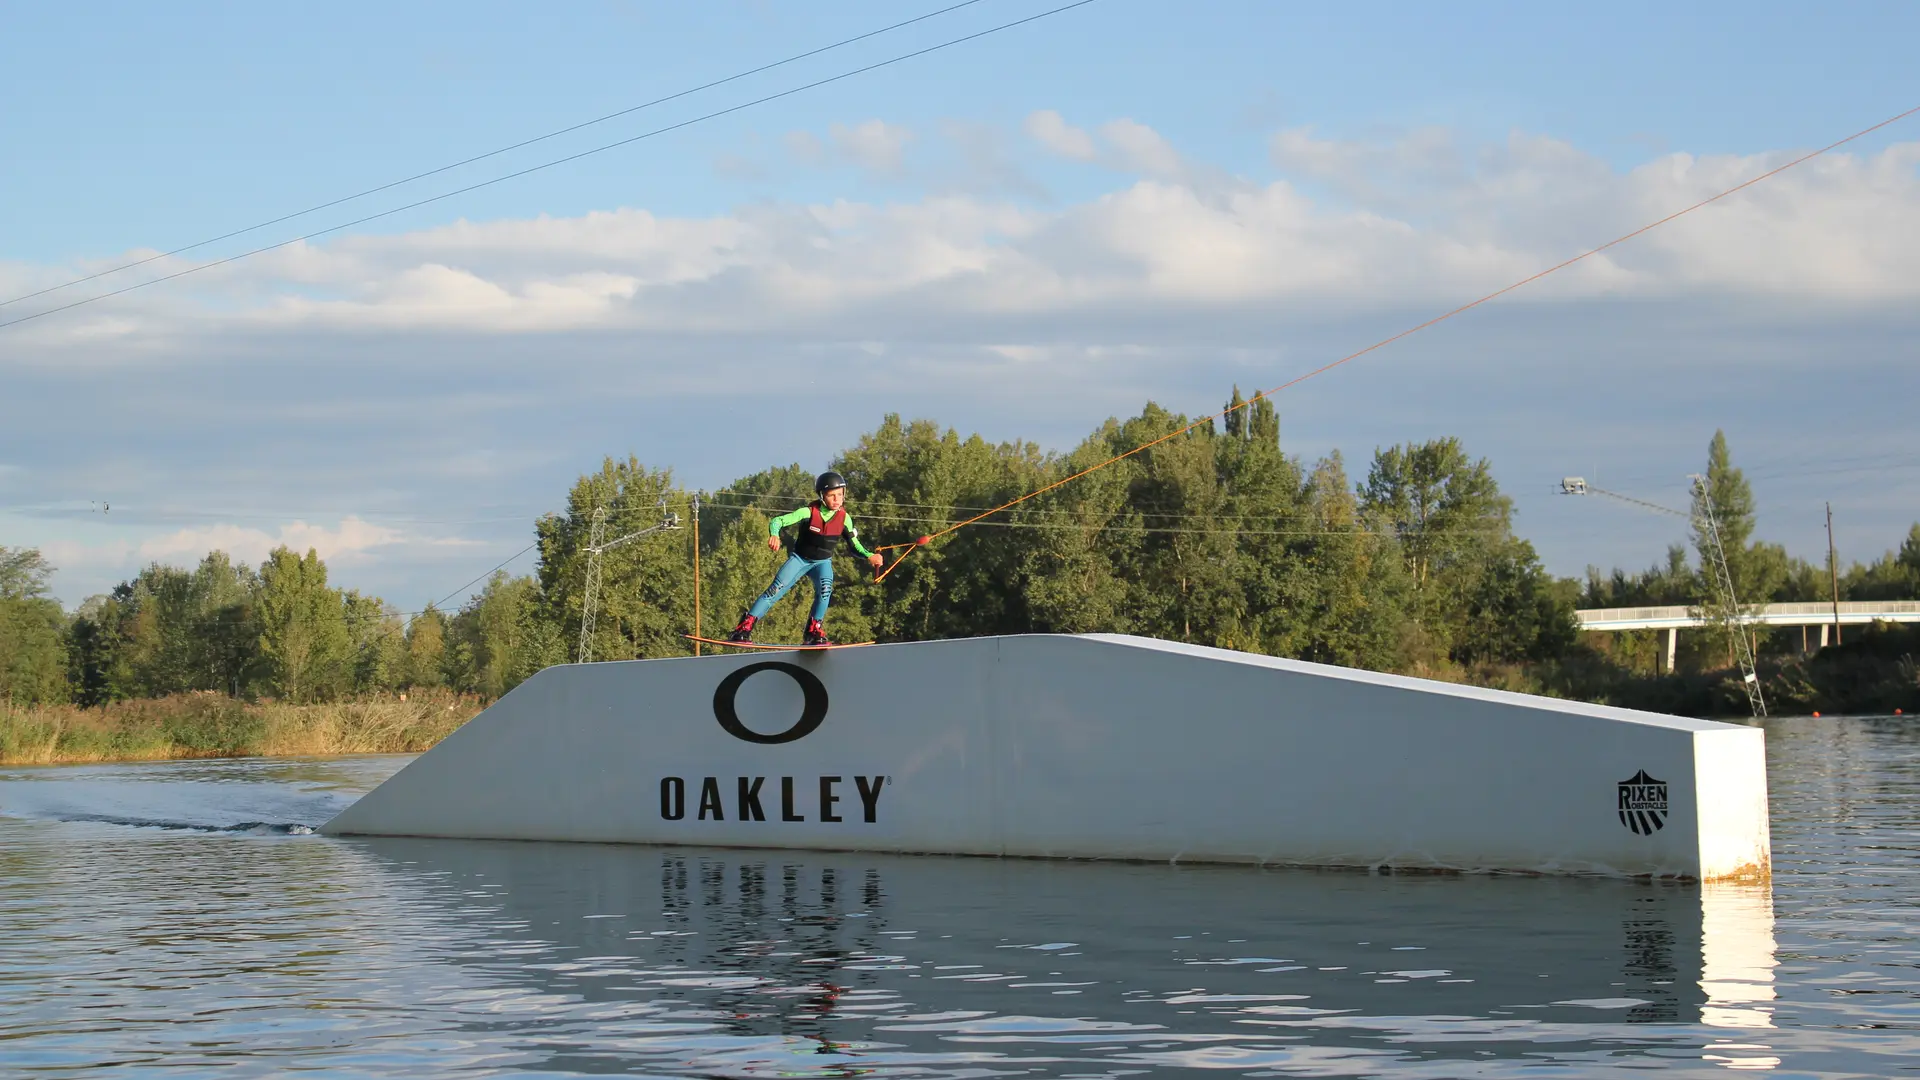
(1819, 613)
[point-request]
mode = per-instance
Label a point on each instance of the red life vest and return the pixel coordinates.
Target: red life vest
(819, 537)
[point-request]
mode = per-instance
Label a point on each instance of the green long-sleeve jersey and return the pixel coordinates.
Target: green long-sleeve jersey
(804, 514)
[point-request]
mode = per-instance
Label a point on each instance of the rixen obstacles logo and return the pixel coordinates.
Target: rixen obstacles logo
(1643, 804)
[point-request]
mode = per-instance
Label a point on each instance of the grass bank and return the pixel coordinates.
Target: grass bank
(214, 725)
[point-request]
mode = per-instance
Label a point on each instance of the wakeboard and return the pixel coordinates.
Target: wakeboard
(787, 648)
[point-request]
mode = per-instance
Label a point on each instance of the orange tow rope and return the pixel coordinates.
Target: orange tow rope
(925, 540)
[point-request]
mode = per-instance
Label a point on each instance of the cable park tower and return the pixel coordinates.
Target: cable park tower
(596, 545)
(1721, 607)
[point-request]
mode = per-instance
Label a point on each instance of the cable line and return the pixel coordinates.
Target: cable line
(475, 581)
(1323, 369)
(524, 143)
(816, 84)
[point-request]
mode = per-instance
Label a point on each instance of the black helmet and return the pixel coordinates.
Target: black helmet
(828, 481)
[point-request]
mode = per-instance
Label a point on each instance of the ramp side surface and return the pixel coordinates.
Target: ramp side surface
(1094, 746)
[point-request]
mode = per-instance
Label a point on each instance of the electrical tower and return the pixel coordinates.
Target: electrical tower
(590, 597)
(1725, 606)
(1722, 607)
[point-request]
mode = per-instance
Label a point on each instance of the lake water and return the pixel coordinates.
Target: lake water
(182, 917)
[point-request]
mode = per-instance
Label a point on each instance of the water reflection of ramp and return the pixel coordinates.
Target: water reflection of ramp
(745, 963)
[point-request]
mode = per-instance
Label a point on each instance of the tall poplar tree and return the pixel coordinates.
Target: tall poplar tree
(1758, 570)
(304, 645)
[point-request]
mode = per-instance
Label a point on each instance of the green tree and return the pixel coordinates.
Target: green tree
(910, 479)
(1447, 516)
(222, 628)
(427, 649)
(33, 650)
(97, 670)
(1076, 539)
(1665, 584)
(1345, 594)
(489, 635)
(377, 640)
(1442, 505)
(1263, 427)
(646, 594)
(1236, 420)
(1758, 570)
(305, 650)
(1893, 576)
(1515, 612)
(542, 644)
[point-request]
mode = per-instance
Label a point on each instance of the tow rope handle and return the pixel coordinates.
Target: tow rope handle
(911, 548)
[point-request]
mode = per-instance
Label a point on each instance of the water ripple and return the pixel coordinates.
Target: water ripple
(156, 916)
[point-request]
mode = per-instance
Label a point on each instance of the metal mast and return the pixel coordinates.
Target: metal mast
(1725, 607)
(590, 599)
(590, 602)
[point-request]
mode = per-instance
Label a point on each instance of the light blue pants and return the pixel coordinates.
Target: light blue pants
(792, 571)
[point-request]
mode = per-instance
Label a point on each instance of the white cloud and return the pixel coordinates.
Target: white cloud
(1138, 148)
(874, 146)
(349, 542)
(350, 538)
(1051, 130)
(1421, 219)
(805, 146)
(871, 144)
(1124, 145)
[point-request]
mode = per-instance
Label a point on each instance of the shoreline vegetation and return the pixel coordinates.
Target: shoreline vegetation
(1875, 674)
(214, 725)
(1215, 536)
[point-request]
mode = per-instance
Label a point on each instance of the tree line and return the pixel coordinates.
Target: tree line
(1215, 537)
(277, 631)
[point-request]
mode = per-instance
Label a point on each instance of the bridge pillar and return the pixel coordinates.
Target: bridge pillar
(1673, 640)
(1824, 627)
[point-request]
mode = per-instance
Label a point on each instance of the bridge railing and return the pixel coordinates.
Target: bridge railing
(1800, 613)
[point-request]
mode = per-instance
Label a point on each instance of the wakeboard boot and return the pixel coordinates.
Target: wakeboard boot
(816, 634)
(744, 632)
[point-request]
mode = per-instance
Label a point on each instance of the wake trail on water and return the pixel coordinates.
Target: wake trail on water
(256, 828)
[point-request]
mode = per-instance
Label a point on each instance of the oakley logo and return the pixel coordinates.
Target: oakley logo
(812, 712)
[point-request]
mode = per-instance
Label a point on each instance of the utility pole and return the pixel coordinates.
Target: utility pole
(1833, 573)
(698, 629)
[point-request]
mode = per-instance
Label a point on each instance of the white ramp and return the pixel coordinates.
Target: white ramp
(1091, 746)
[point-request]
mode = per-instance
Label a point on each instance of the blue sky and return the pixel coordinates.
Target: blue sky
(1020, 235)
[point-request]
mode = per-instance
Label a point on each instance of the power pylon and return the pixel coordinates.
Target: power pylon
(590, 598)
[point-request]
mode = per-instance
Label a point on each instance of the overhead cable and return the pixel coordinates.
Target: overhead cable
(521, 145)
(416, 204)
(1384, 342)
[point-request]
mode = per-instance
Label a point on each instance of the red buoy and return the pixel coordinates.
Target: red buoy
(924, 541)
(1816, 712)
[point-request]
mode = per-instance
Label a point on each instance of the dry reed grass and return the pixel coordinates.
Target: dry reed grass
(214, 725)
